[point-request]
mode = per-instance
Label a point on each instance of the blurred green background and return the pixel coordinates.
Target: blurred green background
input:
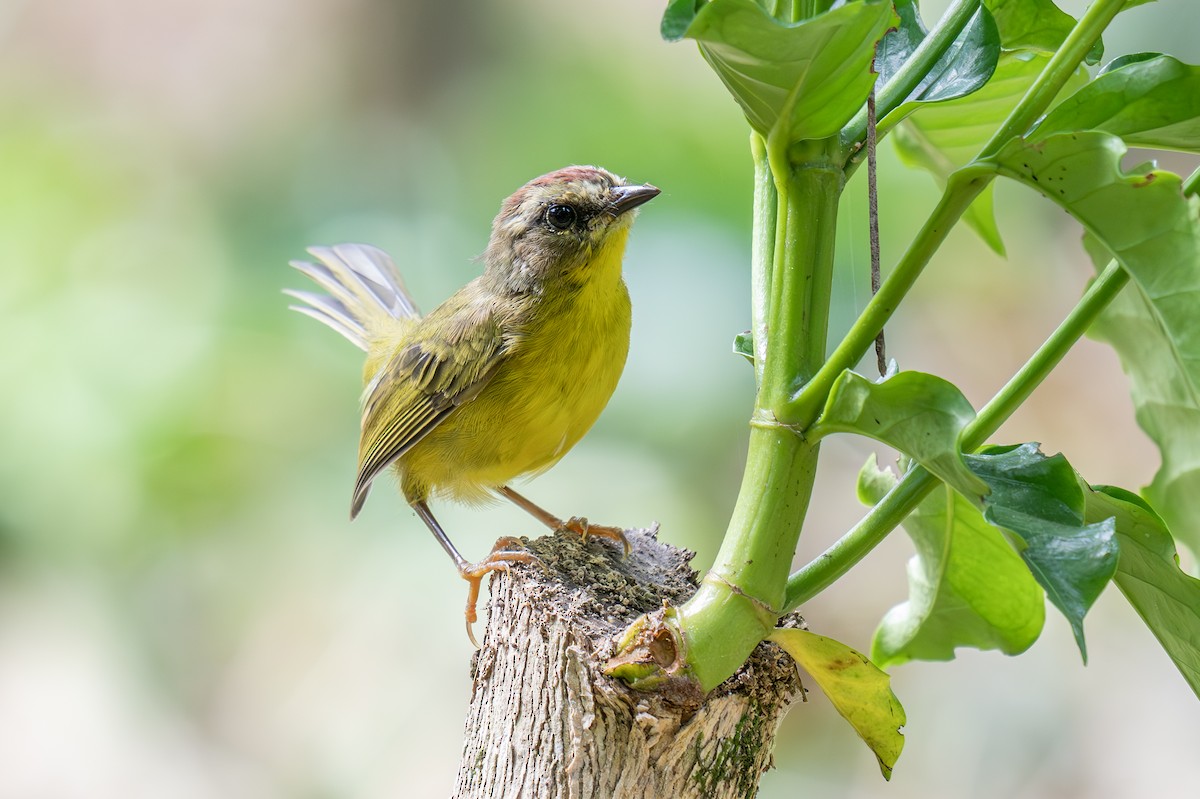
(185, 610)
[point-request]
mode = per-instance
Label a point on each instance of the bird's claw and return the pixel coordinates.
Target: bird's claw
(499, 559)
(585, 530)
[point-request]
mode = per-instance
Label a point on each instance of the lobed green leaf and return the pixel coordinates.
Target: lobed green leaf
(1159, 354)
(1140, 216)
(1040, 500)
(967, 587)
(1143, 219)
(919, 414)
(1148, 100)
(859, 690)
(1148, 574)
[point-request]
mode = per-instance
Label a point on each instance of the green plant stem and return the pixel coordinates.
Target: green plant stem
(748, 586)
(1191, 183)
(766, 205)
(1022, 384)
(741, 597)
(809, 187)
(893, 93)
(917, 483)
(962, 188)
(1054, 77)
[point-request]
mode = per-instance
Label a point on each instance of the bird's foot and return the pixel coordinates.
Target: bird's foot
(585, 530)
(499, 559)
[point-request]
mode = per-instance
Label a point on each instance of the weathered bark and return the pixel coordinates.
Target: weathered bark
(545, 721)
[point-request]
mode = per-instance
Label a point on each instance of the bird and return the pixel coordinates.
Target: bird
(504, 377)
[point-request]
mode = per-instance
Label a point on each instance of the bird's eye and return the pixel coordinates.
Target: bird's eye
(560, 217)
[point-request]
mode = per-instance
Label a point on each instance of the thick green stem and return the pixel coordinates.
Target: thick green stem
(917, 483)
(766, 207)
(809, 189)
(741, 597)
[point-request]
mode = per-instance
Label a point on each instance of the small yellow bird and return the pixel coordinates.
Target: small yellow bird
(503, 378)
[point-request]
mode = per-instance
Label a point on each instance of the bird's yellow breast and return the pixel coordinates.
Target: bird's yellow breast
(563, 368)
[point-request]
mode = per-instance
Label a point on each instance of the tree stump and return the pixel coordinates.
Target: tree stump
(546, 722)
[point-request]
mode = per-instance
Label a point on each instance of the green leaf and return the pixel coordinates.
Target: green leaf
(919, 414)
(678, 17)
(1141, 216)
(966, 65)
(1035, 25)
(1143, 219)
(743, 344)
(967, 587)
(1041, 501)
(898, 45)
(1148, 574)
(860, 691)
(1151, 102)
(1159, 351)
(942, 137)
(1125, 60)
(798, 80)
(680, 14)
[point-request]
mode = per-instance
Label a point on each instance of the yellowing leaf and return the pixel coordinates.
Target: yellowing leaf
(859, 690)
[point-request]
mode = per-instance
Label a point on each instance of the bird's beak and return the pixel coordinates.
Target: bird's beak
(626, 198)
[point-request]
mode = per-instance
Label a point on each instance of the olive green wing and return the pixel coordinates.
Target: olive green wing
(447, 361)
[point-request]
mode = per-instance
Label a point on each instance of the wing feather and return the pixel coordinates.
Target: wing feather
(423, 383)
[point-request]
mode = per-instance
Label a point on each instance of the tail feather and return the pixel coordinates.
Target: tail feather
(331, 312)
(326, 279)
(366, 291)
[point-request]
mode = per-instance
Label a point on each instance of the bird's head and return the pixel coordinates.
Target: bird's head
(554, 226)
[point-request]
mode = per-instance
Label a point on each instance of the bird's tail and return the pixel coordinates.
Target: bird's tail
(366, 295)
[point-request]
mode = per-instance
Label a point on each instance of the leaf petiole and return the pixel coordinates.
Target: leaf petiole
(881, 519)
(962, 188)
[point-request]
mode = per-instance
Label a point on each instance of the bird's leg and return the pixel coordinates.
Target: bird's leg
(499, 559)
(576, 524)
